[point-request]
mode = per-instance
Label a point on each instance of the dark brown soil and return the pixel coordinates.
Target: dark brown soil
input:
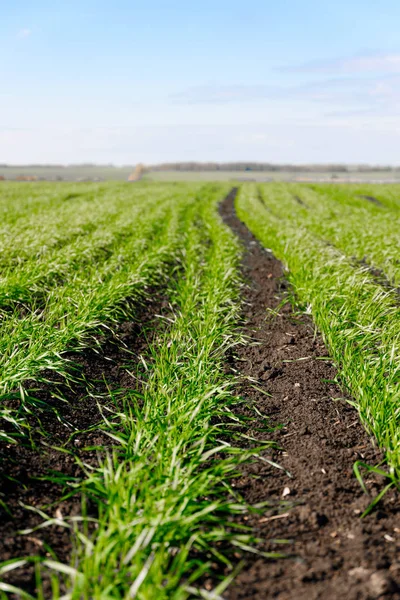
(301, 202)
(333, 553)
(372, 200)
(112, 366)
(378, 276)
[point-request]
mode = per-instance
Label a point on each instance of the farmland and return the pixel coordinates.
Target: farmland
(199, 390)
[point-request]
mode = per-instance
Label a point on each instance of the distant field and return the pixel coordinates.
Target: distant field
(72, 173)
(372, 176)
(110, 173)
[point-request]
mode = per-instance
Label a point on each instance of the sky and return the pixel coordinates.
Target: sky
(129, 81)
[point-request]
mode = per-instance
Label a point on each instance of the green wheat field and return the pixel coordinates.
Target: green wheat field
(157, 505)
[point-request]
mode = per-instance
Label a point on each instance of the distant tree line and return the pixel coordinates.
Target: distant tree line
(56, 166)
(229, 166)
(254, 166)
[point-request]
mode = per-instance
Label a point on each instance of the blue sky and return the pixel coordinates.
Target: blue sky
(127, 81)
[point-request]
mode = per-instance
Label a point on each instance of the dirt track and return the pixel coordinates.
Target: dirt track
(334, 554)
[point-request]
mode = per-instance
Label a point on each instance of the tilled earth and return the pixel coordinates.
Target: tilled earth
(333, 554)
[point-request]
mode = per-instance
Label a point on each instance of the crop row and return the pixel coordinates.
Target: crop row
(164, 505)
(359, 228)
(54, 303)
(359, 319)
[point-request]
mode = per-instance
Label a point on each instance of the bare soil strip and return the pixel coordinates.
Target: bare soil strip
(378, 276)
(333, 553)
(111, 366)
(301, 202)
(373, 200)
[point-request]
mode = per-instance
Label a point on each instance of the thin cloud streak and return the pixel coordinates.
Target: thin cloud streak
(221, 94)
(343, 93)
(363, 63)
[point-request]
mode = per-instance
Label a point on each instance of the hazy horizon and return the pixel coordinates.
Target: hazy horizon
(125, 83)
(203, 163)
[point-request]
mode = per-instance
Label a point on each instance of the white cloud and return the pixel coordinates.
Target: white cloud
(389, 63)
(221, 94)
(24, 33)
(362, 63)
(340, 93)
